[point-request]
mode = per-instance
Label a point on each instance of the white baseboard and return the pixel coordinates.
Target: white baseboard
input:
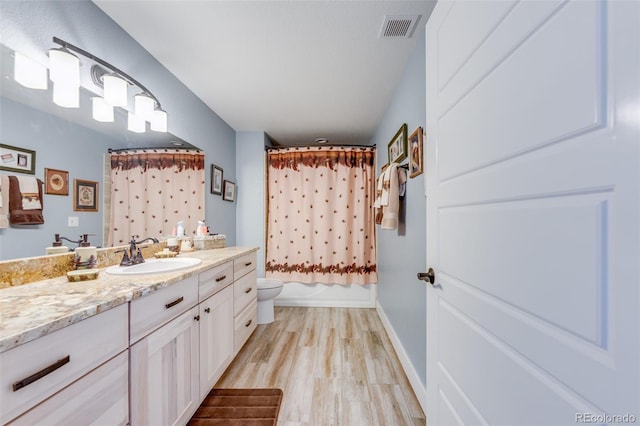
(416, 384)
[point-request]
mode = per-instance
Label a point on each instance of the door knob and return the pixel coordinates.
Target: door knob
(429, 276)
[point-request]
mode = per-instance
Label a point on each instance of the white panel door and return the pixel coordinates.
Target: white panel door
(533, 159)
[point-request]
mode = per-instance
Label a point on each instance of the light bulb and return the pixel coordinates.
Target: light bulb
(115, 90)
(144, 106)
(64, 67)
(136, 123)
(65, 95)
(159, 121)
(29, 73)
(102, 111)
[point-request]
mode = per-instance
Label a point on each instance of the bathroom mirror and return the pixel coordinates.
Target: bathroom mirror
(65, 139)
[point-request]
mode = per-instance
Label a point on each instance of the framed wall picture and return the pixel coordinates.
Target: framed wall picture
(14, 159)
(229, 193)
(397, 148)
(216, 180)
(85, 195)
(415, 153)
(56, 182)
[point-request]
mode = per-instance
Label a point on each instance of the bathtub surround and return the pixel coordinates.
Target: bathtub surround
(144, 183)
(320, 225)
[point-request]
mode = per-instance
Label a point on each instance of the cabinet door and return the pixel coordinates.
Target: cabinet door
(164, 373)
(99, 398)
(216, 338)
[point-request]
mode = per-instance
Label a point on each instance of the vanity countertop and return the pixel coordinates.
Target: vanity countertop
(37, 309)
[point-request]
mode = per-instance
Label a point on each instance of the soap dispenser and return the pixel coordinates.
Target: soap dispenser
(180, 229)
(56, 246)
(86, 254)
(202, 229)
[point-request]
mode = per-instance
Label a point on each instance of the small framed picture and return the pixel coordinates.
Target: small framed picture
(397, 148)
(415, 153)
(216, 180)
(85, 195)
(56, 182)
(229, 193)
(14, 159)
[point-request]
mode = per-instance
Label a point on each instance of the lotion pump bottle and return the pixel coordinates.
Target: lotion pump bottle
(202, 229)
(180, 229)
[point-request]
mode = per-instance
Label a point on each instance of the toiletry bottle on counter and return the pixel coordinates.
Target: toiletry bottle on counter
(180, 229)
(56, 246)
(86, 254)
(202, 230)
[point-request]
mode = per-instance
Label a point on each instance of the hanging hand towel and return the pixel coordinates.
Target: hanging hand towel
(390, 210)
(4, 201)
(377, 205)
(25, 201)
(30, 192)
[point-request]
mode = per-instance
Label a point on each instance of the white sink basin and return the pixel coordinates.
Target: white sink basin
(154, 266)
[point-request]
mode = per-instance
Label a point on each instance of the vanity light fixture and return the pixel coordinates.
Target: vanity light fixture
(159, 121)
(64, 67)
(115, 90)
(144, 106)
(135, 123)
(66, 95)
(29, 73)
(102, 110)
(64, 72)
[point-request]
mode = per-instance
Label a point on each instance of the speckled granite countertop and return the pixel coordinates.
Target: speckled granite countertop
(34, 310)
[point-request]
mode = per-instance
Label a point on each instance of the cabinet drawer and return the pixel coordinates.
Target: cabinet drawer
(244, 291)
(101, 397)
(150, 312)
(40, 368)
(214, 280)
(244, 264)
(244, 325)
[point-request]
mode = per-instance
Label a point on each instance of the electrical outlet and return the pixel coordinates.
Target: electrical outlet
(74, 221)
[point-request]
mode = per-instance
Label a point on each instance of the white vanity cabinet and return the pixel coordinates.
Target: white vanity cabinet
(245, 299)
(216, 338)
(99, 398)
(40, 372)
(216, 324)
(164, 355)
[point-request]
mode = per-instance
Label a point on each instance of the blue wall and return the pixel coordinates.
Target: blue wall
(250, 168)
(402, 252)
(59, 144)
(29, 27)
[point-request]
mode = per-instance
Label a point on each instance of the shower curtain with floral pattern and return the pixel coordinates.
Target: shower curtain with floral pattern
(320, 226)
(152, 189)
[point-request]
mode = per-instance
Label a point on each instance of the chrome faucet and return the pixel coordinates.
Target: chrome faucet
(135, 255)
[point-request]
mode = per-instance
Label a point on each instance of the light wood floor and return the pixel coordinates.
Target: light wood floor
(336, 366)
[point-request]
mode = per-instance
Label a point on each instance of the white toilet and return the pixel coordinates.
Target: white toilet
(268, 289)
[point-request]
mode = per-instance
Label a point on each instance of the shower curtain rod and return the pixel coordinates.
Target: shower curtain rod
(275, 148)
(111, 150)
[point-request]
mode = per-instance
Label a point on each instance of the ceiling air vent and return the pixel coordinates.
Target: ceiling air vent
(398, 26)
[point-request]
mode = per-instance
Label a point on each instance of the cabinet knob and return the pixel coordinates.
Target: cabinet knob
(197, 318)
(207, 310)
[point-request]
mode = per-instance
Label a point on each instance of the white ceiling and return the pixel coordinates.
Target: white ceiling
(298, 70)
